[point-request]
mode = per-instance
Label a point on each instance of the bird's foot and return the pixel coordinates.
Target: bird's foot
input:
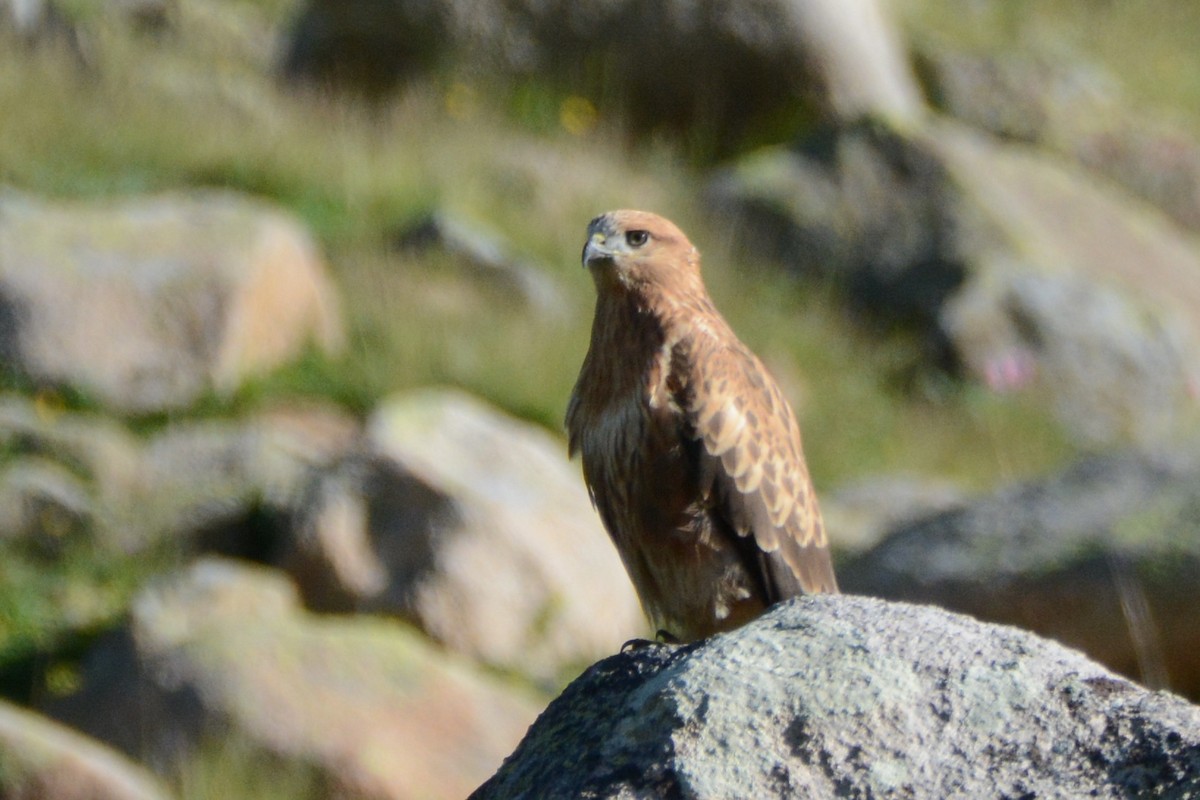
(661, 639)
(666, 637)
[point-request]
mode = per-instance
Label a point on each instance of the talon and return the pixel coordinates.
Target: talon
(638, 644)
(666, 637)
(662, 638)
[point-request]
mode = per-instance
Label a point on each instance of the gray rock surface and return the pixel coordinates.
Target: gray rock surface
(93, 446)
(1076, 109)
(1027, 96)
(66, 472)
(42, 760)
(848, 696)
(30, 24)
(1104, 556)
(223, 651)
(43, 502)
(865, 510)
(40, 21)
(29, 18)
(1102, 292)
(475, 526)
(200, 481)
(148, 303)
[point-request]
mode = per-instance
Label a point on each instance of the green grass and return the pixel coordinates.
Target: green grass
(1149, 45)
(55, 596)
(231, 767)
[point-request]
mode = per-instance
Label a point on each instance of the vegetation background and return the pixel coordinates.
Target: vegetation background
(203, 105)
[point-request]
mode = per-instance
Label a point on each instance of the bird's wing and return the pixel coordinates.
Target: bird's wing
(752, 468)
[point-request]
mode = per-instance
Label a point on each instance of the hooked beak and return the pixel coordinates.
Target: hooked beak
(596, 249)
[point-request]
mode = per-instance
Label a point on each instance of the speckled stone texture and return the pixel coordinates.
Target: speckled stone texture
(854, 697)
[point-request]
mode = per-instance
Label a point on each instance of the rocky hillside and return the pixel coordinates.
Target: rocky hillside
(290, 308)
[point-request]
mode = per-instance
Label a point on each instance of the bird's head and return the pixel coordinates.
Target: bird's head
(637, 250)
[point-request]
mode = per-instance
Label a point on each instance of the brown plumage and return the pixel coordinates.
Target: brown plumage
(690, 452)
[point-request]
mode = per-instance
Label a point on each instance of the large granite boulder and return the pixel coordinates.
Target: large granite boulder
(865, 510)
(829, 697)
(1074, 108)
(194, 482)
(1024, 271)
(1104, 556)
(146, 304)
(223, 650)
(475, 526)
(60, 470)
(42, 760)
(208, 483)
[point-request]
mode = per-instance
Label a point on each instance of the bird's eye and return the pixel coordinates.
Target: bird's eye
(637, 238)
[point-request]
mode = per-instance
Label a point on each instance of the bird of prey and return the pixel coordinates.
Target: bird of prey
(690, 452)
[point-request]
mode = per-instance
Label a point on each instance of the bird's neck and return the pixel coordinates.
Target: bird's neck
(627, 332)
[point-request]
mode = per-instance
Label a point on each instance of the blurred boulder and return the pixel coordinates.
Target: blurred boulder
(1153, 159)
(865, 206)
(865, 510)
(88, 509)
(146, 304)
(92, 446)
(1102, 293)
(29, 18)
(368, 45)
(718, 69)
(203, 483)
(475, 526)
(1074, 108)
(827, 697)
(61, 473)
(209, 482)
(42, 502)
(1024, 96)
(853, 53)
(223, 650)
(42, 760)
(1022, 271)
(486, 258)
(1104, 557)
(39, 21)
